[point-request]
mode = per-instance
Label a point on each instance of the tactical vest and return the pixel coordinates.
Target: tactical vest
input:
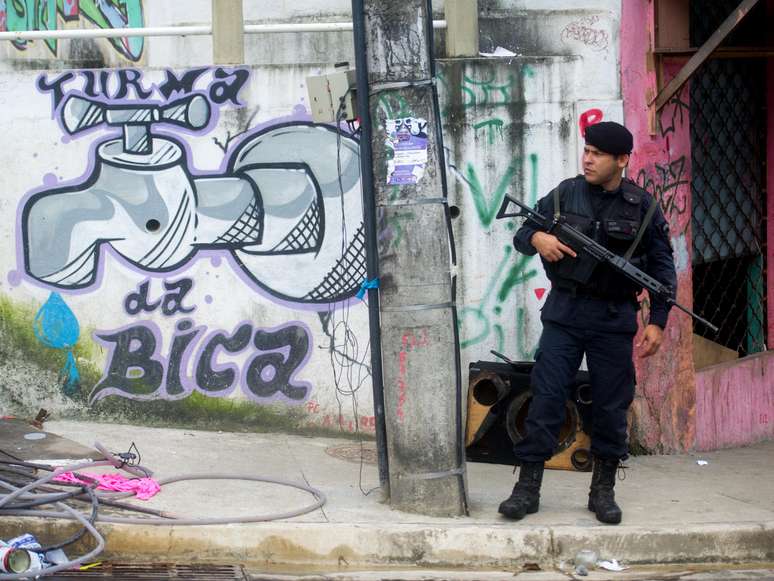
(617, 229)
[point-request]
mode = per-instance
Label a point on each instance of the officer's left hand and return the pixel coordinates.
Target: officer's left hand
(651, 340)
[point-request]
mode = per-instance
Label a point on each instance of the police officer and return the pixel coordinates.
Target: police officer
(591, 310)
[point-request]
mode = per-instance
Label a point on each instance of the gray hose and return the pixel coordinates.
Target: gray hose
(46, 479)
(173, 520)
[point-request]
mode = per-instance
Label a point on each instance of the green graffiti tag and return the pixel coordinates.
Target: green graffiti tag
(518, 274)
(478, 318)
(533, 184)
(494, 127)
(479, 321)
(487, 206)
(521, 349)
(477, 313)
(394, 105)
(486, 92)
(395, 222)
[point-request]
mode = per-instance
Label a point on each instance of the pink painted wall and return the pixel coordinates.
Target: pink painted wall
(735, 402)
(662, 417)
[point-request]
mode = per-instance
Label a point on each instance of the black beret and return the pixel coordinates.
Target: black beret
(610, 137)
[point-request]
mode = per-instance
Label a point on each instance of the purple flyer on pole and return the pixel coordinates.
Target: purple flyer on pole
(406, 150)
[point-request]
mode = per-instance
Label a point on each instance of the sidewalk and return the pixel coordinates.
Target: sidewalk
(675, 510)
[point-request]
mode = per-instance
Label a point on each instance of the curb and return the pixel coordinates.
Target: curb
(367, 545)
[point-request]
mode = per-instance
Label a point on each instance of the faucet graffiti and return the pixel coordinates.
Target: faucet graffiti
(280, 208)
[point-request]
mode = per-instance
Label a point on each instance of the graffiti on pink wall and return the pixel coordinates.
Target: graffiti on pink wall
(668, 178)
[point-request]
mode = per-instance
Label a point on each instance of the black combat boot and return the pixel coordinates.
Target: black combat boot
(525, 498)
(601, 495)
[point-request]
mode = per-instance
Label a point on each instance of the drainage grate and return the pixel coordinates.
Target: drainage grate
(155, 572)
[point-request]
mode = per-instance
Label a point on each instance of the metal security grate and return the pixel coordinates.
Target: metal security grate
(728, 120)
(155, 572)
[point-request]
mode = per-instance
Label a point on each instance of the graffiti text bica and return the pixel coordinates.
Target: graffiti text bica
(139, 368)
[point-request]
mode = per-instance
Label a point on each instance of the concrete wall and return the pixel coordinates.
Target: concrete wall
(513, 125)
(173, 337)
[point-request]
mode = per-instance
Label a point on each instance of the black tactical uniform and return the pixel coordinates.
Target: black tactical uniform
(592, 309)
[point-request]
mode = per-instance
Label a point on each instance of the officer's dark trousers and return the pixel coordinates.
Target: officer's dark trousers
(560, 352)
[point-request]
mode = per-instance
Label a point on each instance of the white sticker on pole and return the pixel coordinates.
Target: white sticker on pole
(406, 150)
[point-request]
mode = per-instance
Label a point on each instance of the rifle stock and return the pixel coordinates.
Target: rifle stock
(576, 239)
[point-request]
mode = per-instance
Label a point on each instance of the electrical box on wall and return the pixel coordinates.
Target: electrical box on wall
(325, 93)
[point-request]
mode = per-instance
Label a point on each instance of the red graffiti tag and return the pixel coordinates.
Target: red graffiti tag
(590, 117)
(409, 342)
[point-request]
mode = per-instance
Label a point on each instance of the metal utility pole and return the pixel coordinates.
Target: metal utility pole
(403, 169)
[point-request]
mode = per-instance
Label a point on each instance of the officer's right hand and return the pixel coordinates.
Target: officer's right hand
(550, 247)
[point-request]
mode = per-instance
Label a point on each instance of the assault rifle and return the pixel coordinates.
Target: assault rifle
(578, 240)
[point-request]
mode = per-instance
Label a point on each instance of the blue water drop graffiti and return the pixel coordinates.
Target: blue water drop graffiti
(55, 326)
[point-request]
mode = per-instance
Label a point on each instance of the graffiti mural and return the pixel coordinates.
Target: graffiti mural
(278, 202)
(283, 211)
(26, 15)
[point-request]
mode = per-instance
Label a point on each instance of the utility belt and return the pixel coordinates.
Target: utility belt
(591, 293)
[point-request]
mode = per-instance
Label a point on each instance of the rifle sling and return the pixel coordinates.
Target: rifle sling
(641, 231)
